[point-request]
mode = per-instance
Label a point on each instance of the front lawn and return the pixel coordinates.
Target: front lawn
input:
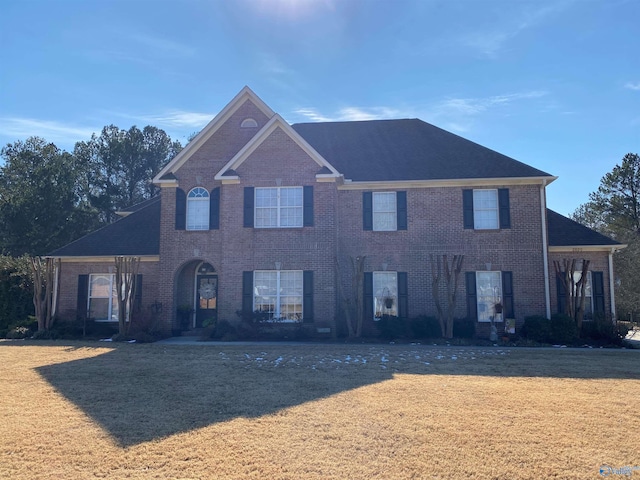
(74, 410)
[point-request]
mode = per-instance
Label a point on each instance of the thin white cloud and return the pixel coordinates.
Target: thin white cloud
(458, 114)
(21, 128)
(490, 42)
(169, 119)
(353, 114)
(632, 86)
(163, 45)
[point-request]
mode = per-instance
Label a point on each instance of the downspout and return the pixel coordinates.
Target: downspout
(545, 248)
(612, 286)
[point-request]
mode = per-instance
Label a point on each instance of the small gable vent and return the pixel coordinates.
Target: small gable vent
(248, 123)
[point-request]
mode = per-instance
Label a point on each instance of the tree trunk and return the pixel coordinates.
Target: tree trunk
(126, 272)
(436, 275)
(44, 278)
(451, 276)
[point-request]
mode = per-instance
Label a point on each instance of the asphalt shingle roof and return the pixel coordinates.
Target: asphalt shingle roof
(407, 149)
(565, 232)
(135, 234)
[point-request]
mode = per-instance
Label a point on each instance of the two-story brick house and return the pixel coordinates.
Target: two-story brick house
(256, 214)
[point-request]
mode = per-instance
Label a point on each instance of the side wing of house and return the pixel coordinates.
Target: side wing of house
(569, 240)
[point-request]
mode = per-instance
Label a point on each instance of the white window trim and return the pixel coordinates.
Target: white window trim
(112, 282)
(190, 200)
(278, 207)
(380, 298)
(476, 208)
(394, 212)
(277, 312)
(499, 298)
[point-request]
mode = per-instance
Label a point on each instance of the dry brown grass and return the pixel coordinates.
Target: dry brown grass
(85, 410)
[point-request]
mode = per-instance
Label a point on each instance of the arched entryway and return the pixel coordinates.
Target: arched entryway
(196, 295)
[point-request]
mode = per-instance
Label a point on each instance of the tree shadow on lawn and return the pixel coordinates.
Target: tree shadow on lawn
(143, 393)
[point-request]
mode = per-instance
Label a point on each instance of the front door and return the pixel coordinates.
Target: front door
(206, 300)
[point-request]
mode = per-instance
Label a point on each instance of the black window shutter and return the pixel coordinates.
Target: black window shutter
(401, 205)
(368, 296)
(83, 297)
(307, 296)
(507, 295)
(214, 209)
(248, 207)
(472, 300)
(562, 294)
(403, 295)
(181, 209)
(504, 209)
(467, 208)
(137, 299)
(367, 211)
(597, 285)
(247, 293)
(307, 202)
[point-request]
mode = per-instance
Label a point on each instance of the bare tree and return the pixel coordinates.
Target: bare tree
(450, 276)
(44, 290)
(575, 290)
(126, 272)
(353, 306)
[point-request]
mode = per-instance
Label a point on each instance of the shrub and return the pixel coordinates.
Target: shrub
(223, 329)
(46, 335)
(425, 327)
(390, 327)
(602, 330)
(464, 327)
(563, 329)
(537, 328)
(19, 332)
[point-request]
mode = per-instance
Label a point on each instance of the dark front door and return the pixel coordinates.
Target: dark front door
(206, 300)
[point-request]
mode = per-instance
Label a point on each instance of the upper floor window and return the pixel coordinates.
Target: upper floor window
(198, 209)
(486, 209)
(384, 211)
(278, 207)
(248, 123)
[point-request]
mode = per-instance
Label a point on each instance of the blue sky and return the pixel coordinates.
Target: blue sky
(555, 84)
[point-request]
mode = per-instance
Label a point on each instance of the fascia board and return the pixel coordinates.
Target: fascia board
(459, 182)
(586, 248)
(106, 259)
(245, 94)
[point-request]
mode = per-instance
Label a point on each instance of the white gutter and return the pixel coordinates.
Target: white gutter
(545, 250)
(612, 286)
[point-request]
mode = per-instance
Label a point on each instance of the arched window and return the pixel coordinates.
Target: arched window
(248, 123)
(198, 209)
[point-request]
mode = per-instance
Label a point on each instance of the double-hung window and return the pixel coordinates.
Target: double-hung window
(384, 211)
(278, 207)
(485, 209)
(198, 209)
(103, 299)
(278, 295)
(588, 296)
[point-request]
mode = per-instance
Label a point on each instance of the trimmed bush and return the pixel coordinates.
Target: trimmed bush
(537, 328)
(425, 327)
(391, 327)
(464, 328)
(602, 330)
(563, 329)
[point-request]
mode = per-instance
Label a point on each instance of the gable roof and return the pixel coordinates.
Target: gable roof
(564, 232)
(136, 234)
(408, 149)
(165, 175)
(276, 122)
